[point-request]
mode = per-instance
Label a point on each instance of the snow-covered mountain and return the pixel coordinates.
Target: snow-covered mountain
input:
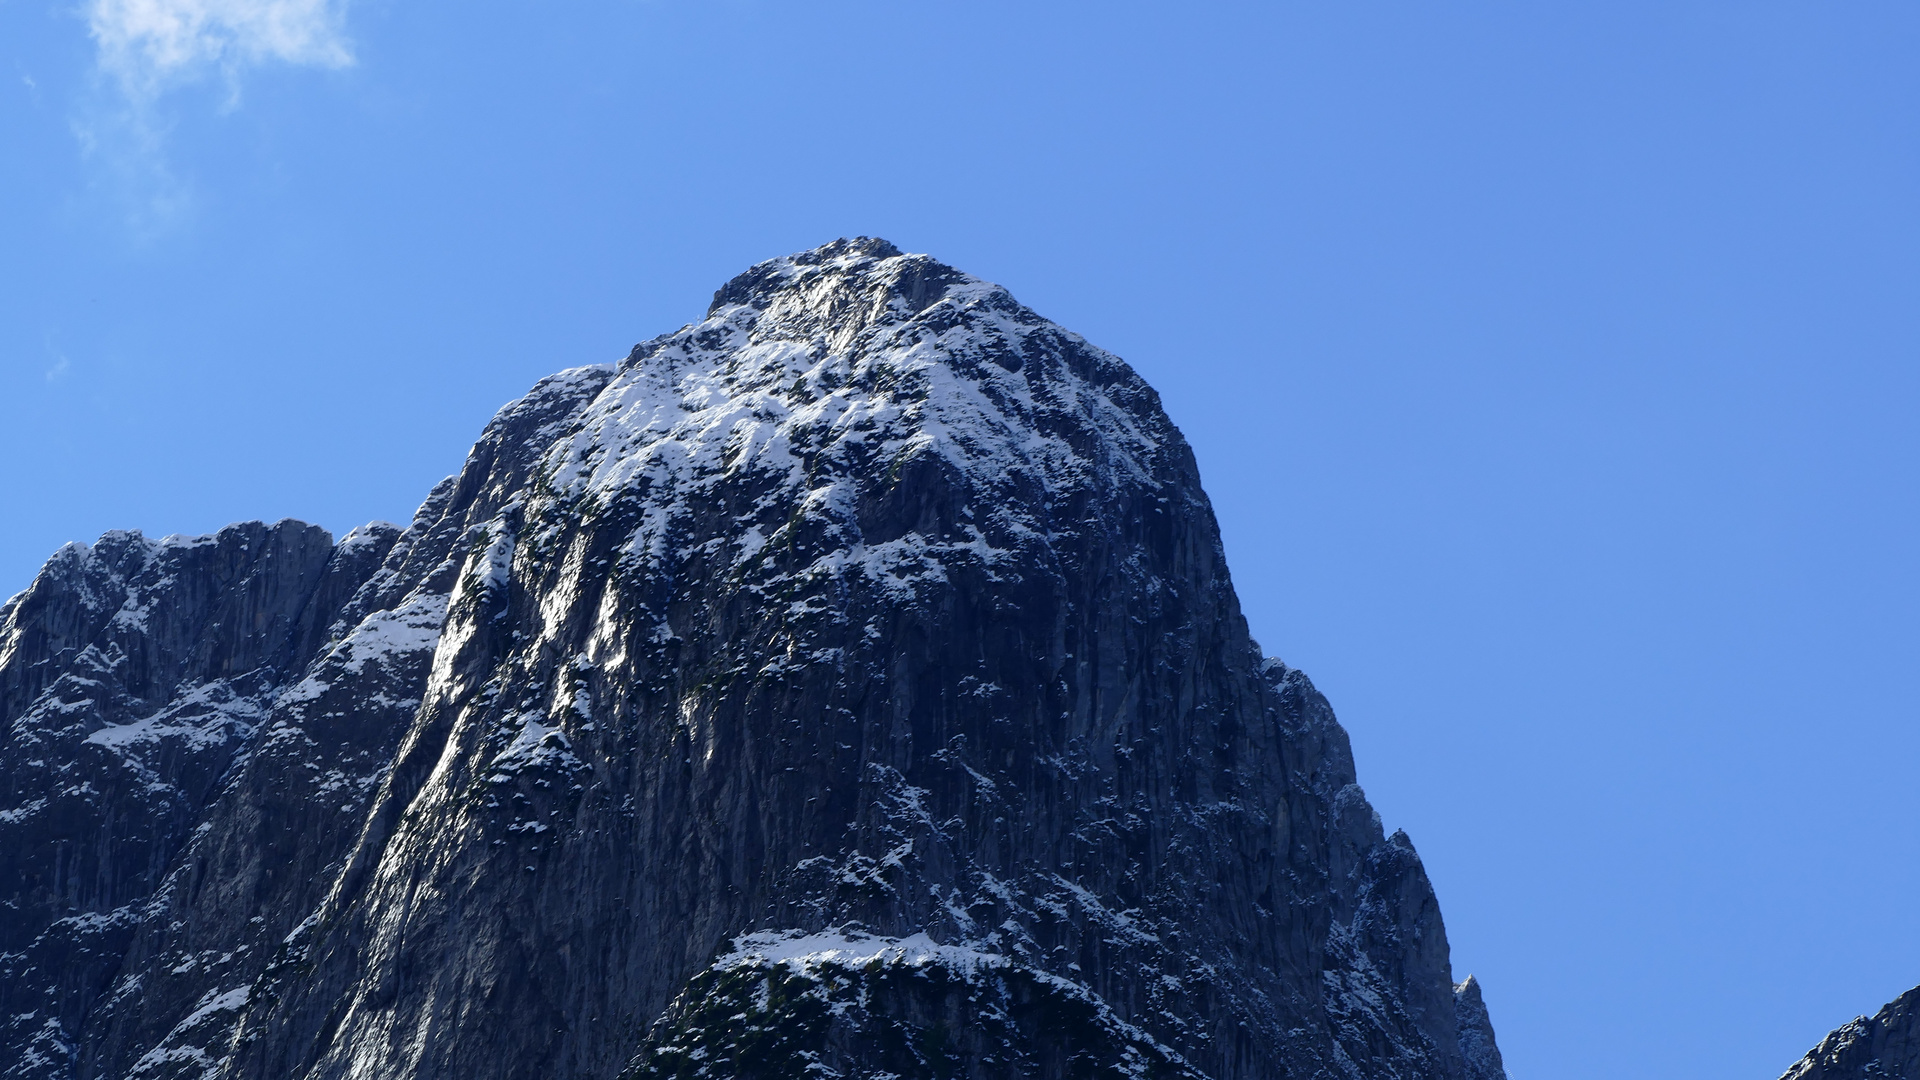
(849, 683)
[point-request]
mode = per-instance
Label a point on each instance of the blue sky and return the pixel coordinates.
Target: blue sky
(1553, 369)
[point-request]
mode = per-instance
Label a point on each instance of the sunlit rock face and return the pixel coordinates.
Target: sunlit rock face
(1884, 1046)
(849, 683)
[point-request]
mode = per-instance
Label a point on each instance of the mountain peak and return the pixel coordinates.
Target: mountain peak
(845, 254)
(848, 683)
(853, 373)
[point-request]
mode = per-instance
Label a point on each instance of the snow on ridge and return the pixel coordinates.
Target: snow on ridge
(216, 1002)
(806, 954)
(363, 536)
(495, 565)
(830, 372)
(205, 716)
(22, 812)
(177, 1048)
(79, 564)
(183, 541)
(736, 389)
(413, 626)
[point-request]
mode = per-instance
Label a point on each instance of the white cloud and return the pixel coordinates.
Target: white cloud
(147, 44)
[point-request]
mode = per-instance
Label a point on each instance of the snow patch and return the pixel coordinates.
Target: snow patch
(537, 744)
(805, 954)
(811, 955)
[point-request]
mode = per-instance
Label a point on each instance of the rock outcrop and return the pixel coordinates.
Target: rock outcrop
(1885, 1046)
(849, 683)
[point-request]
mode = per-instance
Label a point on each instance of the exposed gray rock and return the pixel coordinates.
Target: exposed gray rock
(134, 675)
(848, 683)
(1885, 1046)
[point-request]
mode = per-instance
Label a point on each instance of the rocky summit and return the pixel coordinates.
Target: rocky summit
(847, 684)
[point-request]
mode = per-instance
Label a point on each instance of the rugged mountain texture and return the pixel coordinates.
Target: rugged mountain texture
(849, 683)
(1885, 1046)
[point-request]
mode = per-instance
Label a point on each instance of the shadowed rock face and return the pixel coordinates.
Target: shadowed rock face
(1885, 1046)
(848, 683)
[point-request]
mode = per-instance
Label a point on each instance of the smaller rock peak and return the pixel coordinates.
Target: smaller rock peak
(758, 281)
(863, 264)
(871, 247)
(1478, 1049)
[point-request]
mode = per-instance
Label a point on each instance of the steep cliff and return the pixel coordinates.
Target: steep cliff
(848, 683)
(1885, 1046)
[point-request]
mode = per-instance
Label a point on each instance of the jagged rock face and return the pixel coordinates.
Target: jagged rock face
(1885, 1046)
(134, 675)
(850, 682)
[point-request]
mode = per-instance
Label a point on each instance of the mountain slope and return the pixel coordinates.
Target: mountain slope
(850, 682)
(1885, 1046)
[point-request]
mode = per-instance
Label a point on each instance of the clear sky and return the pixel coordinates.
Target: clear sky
(1554, 369)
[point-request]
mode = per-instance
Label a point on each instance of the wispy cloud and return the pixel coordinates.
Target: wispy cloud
(148, 45)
